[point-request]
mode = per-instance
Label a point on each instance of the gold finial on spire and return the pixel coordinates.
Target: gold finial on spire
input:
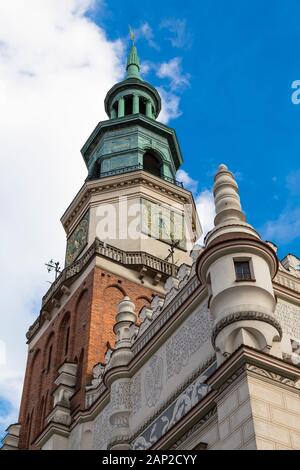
(131, 34)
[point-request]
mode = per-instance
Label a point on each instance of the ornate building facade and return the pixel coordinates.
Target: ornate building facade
(147, 340)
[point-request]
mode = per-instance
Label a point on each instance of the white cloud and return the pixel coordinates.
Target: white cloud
(56, 66)
(180, 37)
(284, 229)
(145, 31)
(188, 182)
(173, 71)
(204, 202)
(170, 105)
(172, 89)
(206, 211)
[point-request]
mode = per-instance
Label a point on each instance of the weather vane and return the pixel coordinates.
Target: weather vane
(53, 266)
(131, 34)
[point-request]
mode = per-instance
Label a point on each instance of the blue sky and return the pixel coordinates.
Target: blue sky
(224, 69)
(240, 59)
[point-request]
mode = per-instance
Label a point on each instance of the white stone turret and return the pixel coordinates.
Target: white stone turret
(238, 268)
(118, 377)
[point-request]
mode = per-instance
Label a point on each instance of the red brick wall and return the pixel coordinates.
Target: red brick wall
(86, 322)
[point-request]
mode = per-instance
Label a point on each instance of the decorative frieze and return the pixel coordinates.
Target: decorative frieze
(188, 340)
(171, 415)
(153, 383)
(136, 393)
(288, 316)
(102, 429)
(120, 395)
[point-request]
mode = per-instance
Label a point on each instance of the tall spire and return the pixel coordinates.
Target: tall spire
(227, 200)
(133, 61)
(229, 218)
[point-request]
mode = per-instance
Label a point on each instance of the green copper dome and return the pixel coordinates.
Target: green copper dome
(132, 139)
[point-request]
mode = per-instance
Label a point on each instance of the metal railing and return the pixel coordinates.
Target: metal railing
(129, 169)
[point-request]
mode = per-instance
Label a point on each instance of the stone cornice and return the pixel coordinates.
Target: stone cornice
(249, 359)
(52, 428)
(240, 316)
(287, 281)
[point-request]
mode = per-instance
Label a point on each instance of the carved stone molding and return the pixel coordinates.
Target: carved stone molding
(273, 376)
(240, 316)
(200, 424)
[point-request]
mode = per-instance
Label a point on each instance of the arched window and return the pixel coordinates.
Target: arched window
(96, 170)
(152, 163)
(67, 340)
(143, 106)
(128, 105)
(49, 358)
(48, 353)
(63, 344)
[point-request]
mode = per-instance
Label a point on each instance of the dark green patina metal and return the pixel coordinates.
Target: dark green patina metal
(132, 134)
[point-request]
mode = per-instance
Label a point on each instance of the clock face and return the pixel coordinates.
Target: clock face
(77, 240)
(162, 223)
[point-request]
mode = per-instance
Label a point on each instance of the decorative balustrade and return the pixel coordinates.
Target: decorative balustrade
(130, 258)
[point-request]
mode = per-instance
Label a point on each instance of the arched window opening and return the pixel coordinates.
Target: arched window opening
(49, 358)
(152, 163)
(115, 109)
(63, 343)
(96, 171)
(143, 106)
(67, 340)
(128, 105)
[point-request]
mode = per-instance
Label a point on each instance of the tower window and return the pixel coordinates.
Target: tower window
(128, 105)
(151, 163)
(243, 271)
(142, 106)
